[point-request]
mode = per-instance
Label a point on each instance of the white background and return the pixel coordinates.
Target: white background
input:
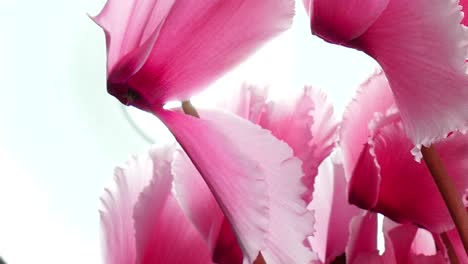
(61, 134)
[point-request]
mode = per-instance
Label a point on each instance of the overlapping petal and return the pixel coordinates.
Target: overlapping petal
(307, 124)
(362, 242)
(163, 233)
(423, 56)
(332, 211)
(373, 97)
(305, 121)
(400, 241)
(147, 225)
(399, 178)
(160, 50)
(117, 213)
(254, 178)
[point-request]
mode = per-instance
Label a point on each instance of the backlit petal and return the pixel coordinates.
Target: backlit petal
(307, 124)
(117, 213)
(373, 96)
(401, 179)
(163, 233)
(255, 180)
(428, 76)
(332, 211)
(198, 42)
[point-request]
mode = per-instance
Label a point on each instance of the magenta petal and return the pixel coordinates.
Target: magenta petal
(362, 243)
(131, 27)
(117, 212)
(373, 96)
(163, 233)
(399, 245)
(457, 246)
(332, 211)
(307, 124)
(402, 179)
(464, 4)
(200, 41)
(428, 77)
(340, 21)
(255, 180)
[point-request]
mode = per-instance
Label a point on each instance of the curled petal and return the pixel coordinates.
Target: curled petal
(400, 178)
(373, 97)
(117, 213)
(131, 27)
(257, 186)
(428, 77)
(332, 211)
(307, 124)
(163, 233)
(423, 56)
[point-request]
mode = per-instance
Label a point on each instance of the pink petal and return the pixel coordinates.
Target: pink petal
(341, 21)
(399, 241)
(117, 214)
(249, 102)
(307, 124)
(131, 28)
(193, 44)
(373, 96)
(423, 57)
(163, 233)
(362, 243)
(428, 76)
(401, 179)
(332, 211)
(257, 186)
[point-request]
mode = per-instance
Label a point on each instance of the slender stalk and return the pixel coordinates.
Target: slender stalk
(189, 109)
(448, 191)
(450, 250)
(260, 259)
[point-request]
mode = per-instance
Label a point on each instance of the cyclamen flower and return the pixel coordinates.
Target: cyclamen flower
(168, 50)
(421, 46)
(289, 222)
(384, 177)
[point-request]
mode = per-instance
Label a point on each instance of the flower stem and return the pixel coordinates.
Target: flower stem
(189, 109)
(260, 259)
(448, 191)
(450, 250)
